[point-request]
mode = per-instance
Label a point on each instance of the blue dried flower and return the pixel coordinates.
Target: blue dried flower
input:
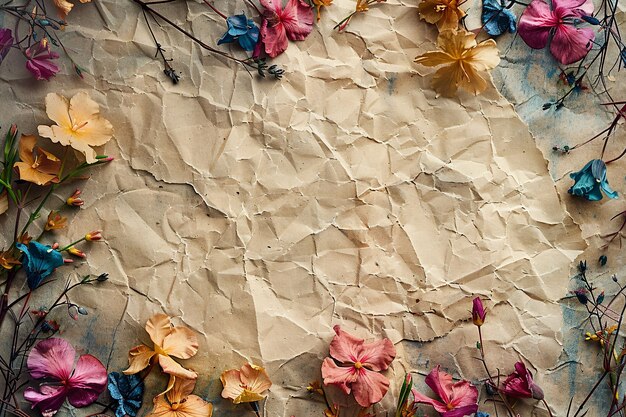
(242, 30)
(589, 181)
(482, 414)
(497, 19)
(39, 261)
(127, 391)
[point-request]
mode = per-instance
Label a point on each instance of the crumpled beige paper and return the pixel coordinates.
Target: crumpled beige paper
(260, 213)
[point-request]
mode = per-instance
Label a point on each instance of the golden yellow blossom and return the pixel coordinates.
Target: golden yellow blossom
(245, 385)
(78, 123)
(178, 402)
(463, 62)
(39, 167)
(444, 13)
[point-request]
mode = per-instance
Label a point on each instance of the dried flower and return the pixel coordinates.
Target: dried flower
(81, 384)
(457, 399)
(8, 260)
(446, 14)
(39, 60)
(6, 42)
(72, 250)
(294, 22)
(601, 335)
(74, 199)
(127, 391)
(55, 221)
(497, 19)
(463, 60)
(169, 341)
(246, 385)
(359, 367)
(478, 312)
(520, 384)
(65, 7)
(39, 261)
(93, 236)
(178, 402)
(590, 181)
(318, 6)
(540, 24)
(242, 30)
(39, 167)
(79, 124)
(581, 295)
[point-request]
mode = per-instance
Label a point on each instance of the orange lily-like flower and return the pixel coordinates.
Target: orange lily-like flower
(93, 236)
(39, 167)
(78, 124)
(75, 200)
(178, 402)
(55, 221)
(318, 6)
(246, 385)
(169, 341)
(444, 13)
(65, 7)
(463, 62)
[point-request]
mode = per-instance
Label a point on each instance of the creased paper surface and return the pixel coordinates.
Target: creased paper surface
(261, 213)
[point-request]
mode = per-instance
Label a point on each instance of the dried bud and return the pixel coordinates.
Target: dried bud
(50, 326)
(102, 277)
(55, 221)
(581, 294)
(82, 311)
(93, 236)
(478, 312)
(76, 252)
(74, 200)
(582, 267)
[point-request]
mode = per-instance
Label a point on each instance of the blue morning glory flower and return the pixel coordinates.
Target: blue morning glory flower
(589, 181)
(127, 391)
(39, 261)
(497, 19)
(242, 30)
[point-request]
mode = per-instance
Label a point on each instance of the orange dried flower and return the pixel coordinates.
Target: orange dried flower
(55, 221)
(93, 236)
(7, 260)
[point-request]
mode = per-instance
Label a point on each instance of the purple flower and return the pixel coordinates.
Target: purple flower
(520, 384)
(40, 60)
(6, 42)
(478, 312)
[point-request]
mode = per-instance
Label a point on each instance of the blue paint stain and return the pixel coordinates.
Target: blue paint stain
(391, 84)
(571, 339)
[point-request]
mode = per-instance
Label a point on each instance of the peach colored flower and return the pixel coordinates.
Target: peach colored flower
(246, 385)
(39, 167)
(65, 7)
(179, 402)
(169, 341)
(444, 13)
(78, 124)
(463, 62)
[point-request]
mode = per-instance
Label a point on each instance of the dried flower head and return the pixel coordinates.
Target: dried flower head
(55, 221)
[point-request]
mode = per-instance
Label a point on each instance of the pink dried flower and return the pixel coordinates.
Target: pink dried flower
(294, 22)
(75, 200)
(359, 367)
(540, 24)
(81, 384)
(478, 312)
(39, 61)
(520, 384)
(457, 399)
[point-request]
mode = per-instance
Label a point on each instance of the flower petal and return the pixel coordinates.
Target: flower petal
(571, 44)
(181, 342)
(195, 406)
(139, 359)
(26, 147)
(57, 108)
(231, 381)
(272, 5)
(255, 378)
(447, 79)
(369, 388)
(159, 326)
(418, 397)
(434, 59)
(441, 383)
(378, 355)
(484, 56)
(297, 19)
(345, 347)
(574, 7)
(464, 394)
(464, 411)
(52, 358)
(171, 367)
(48, 399)
(535, 24)
(274, 39)
(88, 381)
(342, 376)
(181, 389)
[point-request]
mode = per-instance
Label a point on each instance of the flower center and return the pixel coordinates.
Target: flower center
(440, 8)
(449, 406)
(77, 126)
(358, 365)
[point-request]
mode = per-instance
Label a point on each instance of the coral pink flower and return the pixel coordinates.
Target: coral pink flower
(81, 384)
(569, 43)
(359, 367)
(295, 22)
(39, 60)
(520, 384)
(457, 400)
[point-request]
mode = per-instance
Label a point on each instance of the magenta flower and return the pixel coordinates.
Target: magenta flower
(295, 22)
(457, 400)
(478, 312)
(6, 42)
(39, 61)
(81, 384)
(569, 42)
(520, 384)
(359, 367)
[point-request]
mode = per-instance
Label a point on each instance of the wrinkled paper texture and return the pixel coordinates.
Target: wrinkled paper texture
(261, 213)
